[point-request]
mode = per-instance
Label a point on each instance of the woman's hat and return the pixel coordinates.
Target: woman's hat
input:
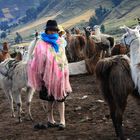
(61, 29)
(51, 25)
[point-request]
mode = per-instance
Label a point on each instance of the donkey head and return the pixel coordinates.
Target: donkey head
(130, 35)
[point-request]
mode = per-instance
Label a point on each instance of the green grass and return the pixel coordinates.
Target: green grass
(113, 22)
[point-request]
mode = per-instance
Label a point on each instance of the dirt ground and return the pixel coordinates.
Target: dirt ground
(87, 117)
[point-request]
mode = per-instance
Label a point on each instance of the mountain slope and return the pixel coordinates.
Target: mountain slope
(15, 8)
(64, 11)
(122, 14)
(69, 13)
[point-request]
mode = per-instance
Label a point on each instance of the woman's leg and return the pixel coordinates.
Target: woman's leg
(61, 109)
(50, 112)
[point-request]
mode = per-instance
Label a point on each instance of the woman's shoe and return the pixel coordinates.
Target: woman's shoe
(61, 126)
(40, 126)
(52, 125)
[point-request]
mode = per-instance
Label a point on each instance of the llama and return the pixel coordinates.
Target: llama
(105, 39)
(75, 47)
(93, 52)
(13, 78)
(119, 77)
(116, 84)
(4, 54)
(119, 49)
(132, 39)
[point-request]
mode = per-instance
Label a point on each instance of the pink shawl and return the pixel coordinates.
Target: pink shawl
(50, 67)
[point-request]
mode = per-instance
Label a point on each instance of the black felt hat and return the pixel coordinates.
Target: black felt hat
(51, 25)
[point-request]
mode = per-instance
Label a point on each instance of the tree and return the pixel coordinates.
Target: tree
(100, 14)
(4, 25)
(116, 2)
(102, 28)
(31, 13)
(93, 21)
(3, 35)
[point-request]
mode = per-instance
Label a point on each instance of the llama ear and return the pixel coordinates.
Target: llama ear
(127, 29)
(137, 28)
(124, 27)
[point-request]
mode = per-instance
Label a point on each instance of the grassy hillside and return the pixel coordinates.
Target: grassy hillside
(16, 7)
(67, 12)
(70, 13)
(122, 14)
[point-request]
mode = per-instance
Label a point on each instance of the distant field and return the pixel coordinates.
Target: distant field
(84, 17)
(119, 16)
(39, 25)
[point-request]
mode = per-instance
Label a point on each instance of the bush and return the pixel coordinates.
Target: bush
(3, 35)
(100, 14)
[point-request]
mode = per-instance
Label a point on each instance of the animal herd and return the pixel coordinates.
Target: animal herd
(117, 68)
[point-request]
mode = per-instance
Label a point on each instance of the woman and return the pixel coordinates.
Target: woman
(48, 72)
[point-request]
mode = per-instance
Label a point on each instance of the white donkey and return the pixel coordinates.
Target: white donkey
(132, 39)
(13, 78)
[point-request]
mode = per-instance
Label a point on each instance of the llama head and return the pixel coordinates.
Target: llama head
(96, 29)
(138, 28)
(129, 36)
(4, 66)
(87, 31)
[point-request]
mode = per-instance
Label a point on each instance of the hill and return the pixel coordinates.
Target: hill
(15, 8)
(65, 11)
(70, 13)
(122, 14)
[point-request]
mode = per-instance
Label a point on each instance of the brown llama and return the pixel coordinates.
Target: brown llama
(93, 52)
(75, 47)
(4, 54)
(119, 49)
(116, 84)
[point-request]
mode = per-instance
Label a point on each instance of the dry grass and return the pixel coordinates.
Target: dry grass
(29, 29)
(83, 17)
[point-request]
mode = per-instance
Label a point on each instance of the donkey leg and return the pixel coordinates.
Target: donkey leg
(116, 115)
(30, 93)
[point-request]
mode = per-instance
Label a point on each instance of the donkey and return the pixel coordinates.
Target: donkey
(13, 78)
